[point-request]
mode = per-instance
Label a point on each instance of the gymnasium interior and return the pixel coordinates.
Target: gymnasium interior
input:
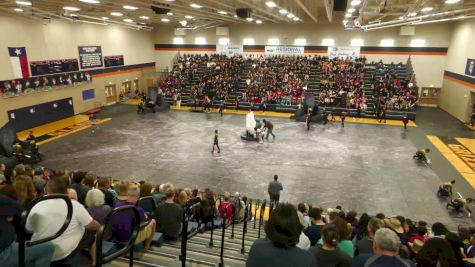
(237, 133)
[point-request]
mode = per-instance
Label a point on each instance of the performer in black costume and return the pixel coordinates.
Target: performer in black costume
(216, 141)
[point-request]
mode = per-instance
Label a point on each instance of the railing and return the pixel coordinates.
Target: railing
(24, 216)
(129, 246)
(255, 212)
(233, 220)
(212, 221)
(261, 218)
(221, 255)
(244, 229)
(187, 217)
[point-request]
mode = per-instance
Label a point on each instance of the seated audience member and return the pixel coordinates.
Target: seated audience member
(36, 256)
(226, 207)
(104, 184)
(122, 189)
(157, 194)
(439, 230)
(470, 251)
(386, 246)
(169, 215)
(436, 252)
(122, 221)
(315, 229)
(283, 231)
(145, 189)
(365, 245)
(25, 190)
(361, 230)
(95, 204)
(303, 208)
(344, 233)
(329, 255)
(304, 242)
(47, 217)
(80, 188)
(182, 198)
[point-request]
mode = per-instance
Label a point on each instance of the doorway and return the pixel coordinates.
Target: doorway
(127, 89)
(136, 85)
(111, 94)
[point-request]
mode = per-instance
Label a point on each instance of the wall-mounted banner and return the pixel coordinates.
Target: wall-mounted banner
(229, 50)
(90, 57)
(343, 52)
(284, 50)
(470, 67)
(113, 61)
(53, 66)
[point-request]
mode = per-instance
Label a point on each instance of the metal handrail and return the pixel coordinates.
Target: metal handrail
(255, 212)
(261, 218)
(221, 255)
(233, 219)
(129, 246)
(24, 216)
(244, 229)
(184, 231)
(212, 221)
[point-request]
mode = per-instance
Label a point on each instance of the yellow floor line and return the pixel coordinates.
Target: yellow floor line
(54, 126)
(458, 163)
(468, 125)
(469, 143)
(73, 131)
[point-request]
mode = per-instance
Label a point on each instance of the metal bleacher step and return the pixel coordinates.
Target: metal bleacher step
(227, 239)
(205, 258)
(215, 250)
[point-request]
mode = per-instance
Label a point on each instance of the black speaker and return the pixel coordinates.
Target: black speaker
(160, 10)
(7, 138)
(243, 13)
(340, 5)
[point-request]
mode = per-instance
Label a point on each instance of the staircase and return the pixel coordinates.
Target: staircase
(198, 250)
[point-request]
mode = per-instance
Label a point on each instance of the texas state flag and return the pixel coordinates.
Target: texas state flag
(19, 62)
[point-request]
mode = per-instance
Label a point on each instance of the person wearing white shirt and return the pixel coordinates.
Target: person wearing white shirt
(47, 217)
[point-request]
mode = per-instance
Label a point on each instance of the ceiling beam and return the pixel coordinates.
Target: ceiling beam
(217, 2)
(329, 9)
(305, 9)
(280, 18)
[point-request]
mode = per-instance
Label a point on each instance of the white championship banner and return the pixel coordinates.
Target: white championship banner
(343, 52)
(284, 50)
(229, 50)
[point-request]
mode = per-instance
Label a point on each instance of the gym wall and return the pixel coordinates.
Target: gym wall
(60, 40)
(458, 90)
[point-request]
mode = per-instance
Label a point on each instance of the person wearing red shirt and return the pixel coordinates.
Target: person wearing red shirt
(226, 207)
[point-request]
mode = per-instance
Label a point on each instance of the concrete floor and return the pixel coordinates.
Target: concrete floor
(368, 168)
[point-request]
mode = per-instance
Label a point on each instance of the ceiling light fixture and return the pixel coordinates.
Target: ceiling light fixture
(259, 21)
(355, 2)
(347, 15)
(189, 17)
(222, 12)
(193, 5)
(183, 22)
(351, 10)
(24, 3)
(71, 8)
(345, 21)
(105, 18)
(128, 20)
(271, 4)
(90, 1)
(165, 20)
(117, 14)
(249, 19)
(290, 16)
(283, 11)
(74, 15)
(413, 14)
(170, 14)
(295, 19)
(427, 9)
(18, 10)
(130, 7)
(400, 18)
(144, 17)
(451, 1)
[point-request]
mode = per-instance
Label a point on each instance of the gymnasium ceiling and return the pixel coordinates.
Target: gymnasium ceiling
(367, 14)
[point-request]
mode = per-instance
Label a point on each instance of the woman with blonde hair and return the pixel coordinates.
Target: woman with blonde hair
(169, 214)
(24, 188)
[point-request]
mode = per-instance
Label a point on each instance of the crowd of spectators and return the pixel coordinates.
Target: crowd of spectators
(391, 91)
(339, 238)
(342, 83)
(92, 199)
(278, 79)
(220, 78)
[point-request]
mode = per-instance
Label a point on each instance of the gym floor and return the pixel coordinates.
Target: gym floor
(366, 167)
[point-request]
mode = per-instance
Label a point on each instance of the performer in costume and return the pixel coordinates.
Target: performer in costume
(215, 143)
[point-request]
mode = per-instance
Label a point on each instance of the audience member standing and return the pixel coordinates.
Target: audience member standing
(169, 214)
(274, 190)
